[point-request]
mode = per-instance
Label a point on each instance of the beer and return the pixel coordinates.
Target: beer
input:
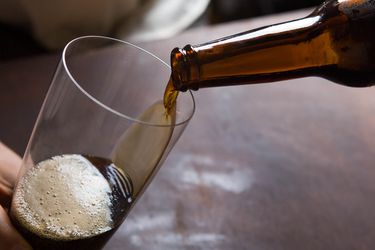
(76, 201)
(336, 42)
(170, 97)
(71, 202)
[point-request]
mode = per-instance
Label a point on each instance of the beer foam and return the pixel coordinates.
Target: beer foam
(64, 198)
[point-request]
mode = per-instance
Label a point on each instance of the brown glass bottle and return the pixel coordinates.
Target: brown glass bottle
(336, 41)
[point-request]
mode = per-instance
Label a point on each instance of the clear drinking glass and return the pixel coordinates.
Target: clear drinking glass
(100, 137)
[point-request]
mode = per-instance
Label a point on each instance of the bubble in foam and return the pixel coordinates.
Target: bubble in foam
(77, 202)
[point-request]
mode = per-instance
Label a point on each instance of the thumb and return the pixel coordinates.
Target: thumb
(9, 237)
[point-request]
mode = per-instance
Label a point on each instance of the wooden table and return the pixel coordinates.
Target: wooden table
(286, 165)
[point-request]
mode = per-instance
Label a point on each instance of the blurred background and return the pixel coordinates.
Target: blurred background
(37, 28)
(224, 10)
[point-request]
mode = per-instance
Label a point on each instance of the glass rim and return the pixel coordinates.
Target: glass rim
(113, 111)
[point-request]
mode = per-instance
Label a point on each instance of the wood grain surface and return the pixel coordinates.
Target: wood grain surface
(287, 165)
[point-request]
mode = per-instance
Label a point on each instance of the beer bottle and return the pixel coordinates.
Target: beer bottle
(336, 42)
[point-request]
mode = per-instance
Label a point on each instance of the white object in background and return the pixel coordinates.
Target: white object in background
(160, 19)
(54, 23)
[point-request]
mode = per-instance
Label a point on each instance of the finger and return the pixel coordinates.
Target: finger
(9, 237)
(10, 164)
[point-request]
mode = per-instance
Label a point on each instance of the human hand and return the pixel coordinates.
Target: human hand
(10, 163)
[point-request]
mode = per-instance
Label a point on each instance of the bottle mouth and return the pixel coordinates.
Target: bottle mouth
(185, 70)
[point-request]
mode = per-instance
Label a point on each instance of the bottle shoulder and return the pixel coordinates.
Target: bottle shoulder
(357, 9)
(351, 9)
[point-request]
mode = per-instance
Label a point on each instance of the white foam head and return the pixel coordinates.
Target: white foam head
(63, 198)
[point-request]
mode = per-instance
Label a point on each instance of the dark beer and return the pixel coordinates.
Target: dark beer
(71, 202)
(336, 42)
(170, 97)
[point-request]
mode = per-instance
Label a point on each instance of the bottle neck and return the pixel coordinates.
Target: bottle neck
(273, 53)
